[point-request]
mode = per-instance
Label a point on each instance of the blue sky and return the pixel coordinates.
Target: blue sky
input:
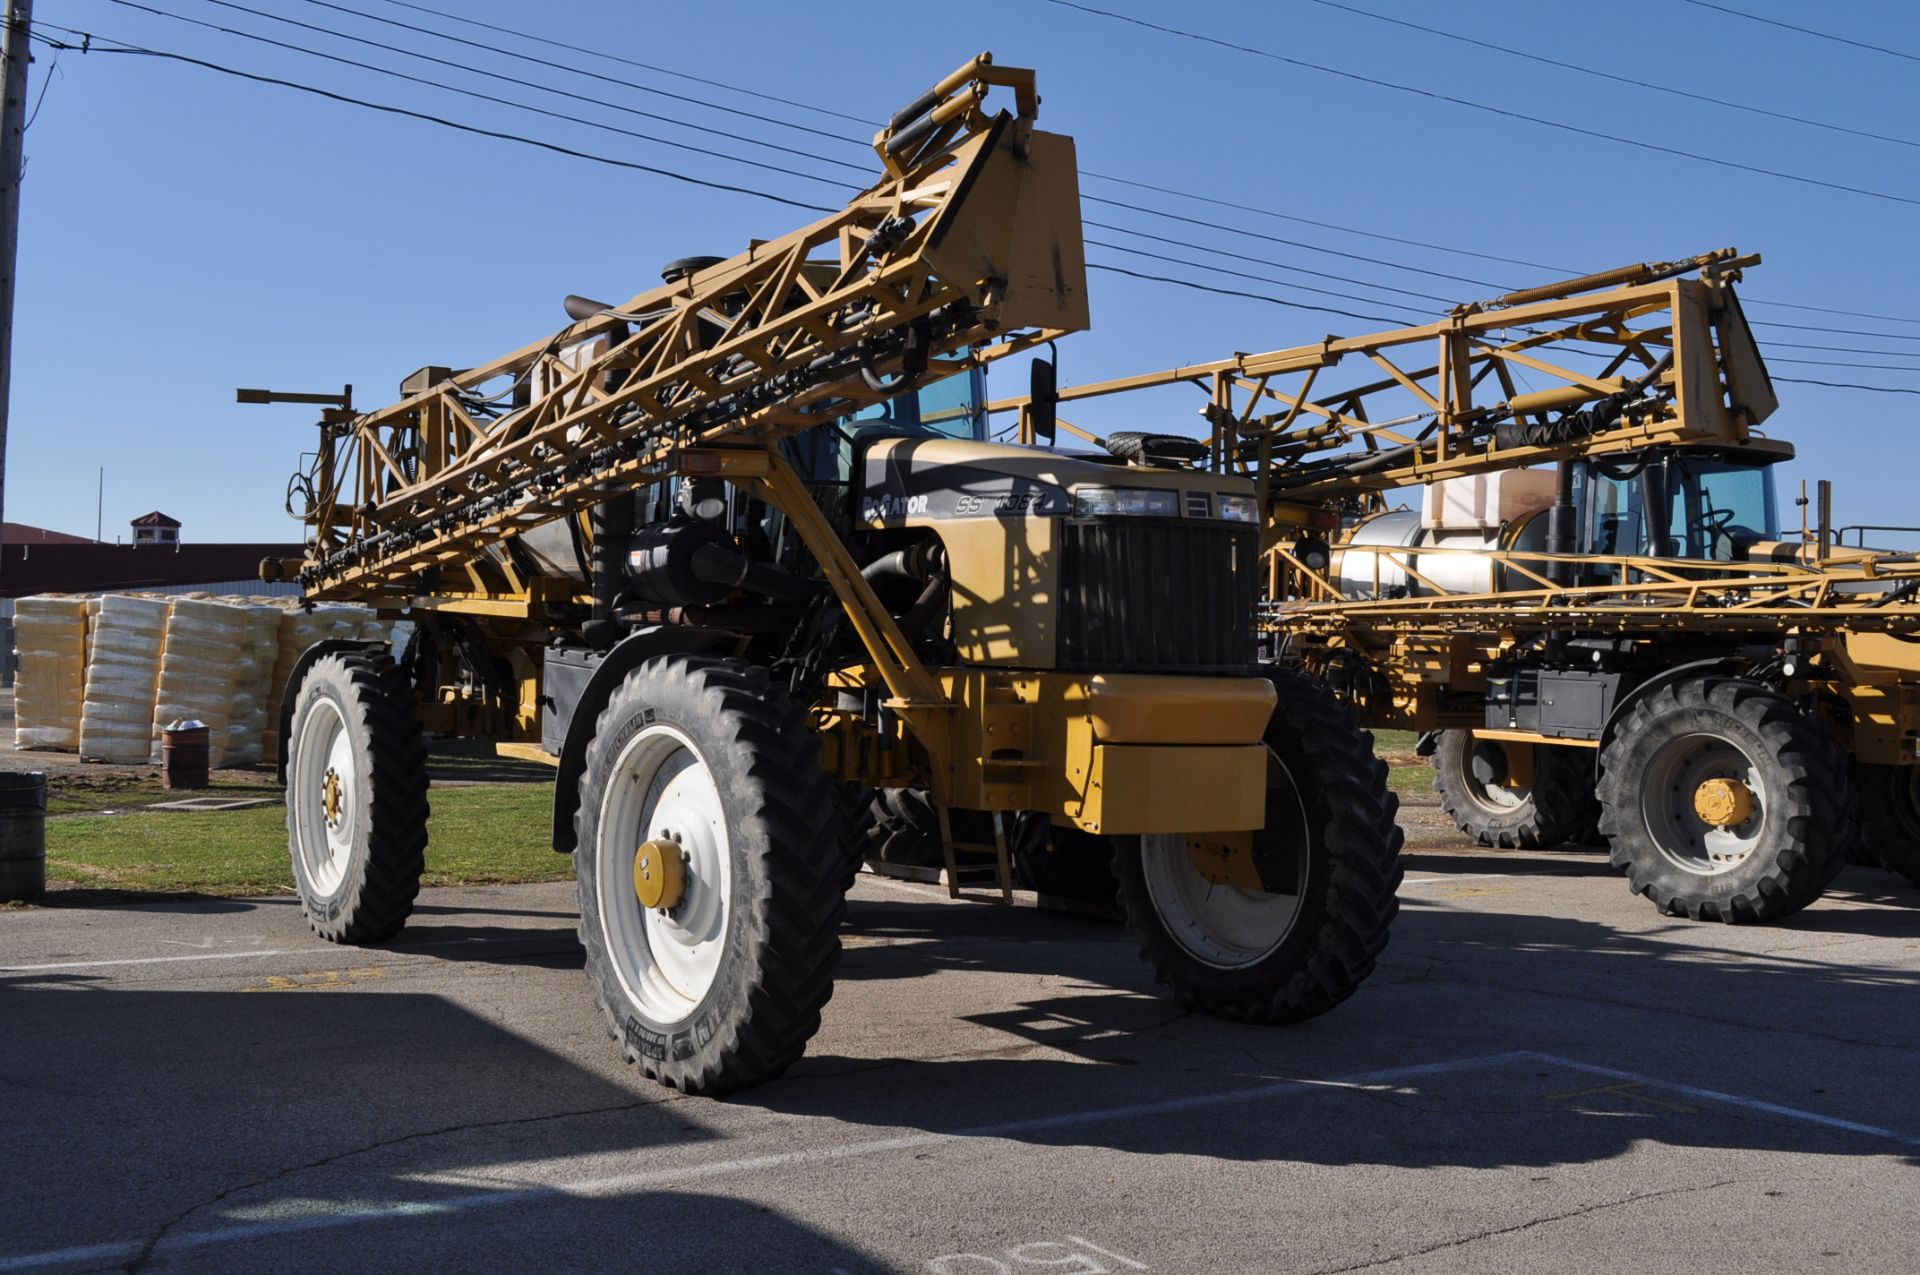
(185, 232)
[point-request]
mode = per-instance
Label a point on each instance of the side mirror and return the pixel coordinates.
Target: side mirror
(1043, 397)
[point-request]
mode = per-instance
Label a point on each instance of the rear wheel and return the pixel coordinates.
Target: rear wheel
(356, 798)
(1475, 779)
(711, 883)
(1724, 803)
(1270, 950)
(1890, 818)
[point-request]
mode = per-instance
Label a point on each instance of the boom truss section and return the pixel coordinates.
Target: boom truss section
(1652, 353)
(968, 246)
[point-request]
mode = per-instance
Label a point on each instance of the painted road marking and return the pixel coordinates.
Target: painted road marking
(356, 1212)
(235, 956)
(143, 960)
(320, 981)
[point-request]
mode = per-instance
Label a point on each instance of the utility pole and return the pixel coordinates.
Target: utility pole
(15, 50)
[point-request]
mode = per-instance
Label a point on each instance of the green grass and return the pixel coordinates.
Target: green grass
(118, 790)
(1410, 778)
(1395, 741)
(482, 835)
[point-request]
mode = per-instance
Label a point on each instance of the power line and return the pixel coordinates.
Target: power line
(1853, 314)
(1234, 292)
(1846, 385)
(644, 66)
(1188, 195)
(1263, 261)
(485, 97)
(1502, 112)
(387, 108)
(1823, 35)
(1618, 79)
(136, 49)
(1292, 243)
(1812, 327)
(561, 66)
(1239, 274)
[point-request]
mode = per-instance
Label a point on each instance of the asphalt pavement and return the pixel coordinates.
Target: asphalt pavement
(1544, 1075)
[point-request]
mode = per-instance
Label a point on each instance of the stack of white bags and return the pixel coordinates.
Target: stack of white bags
(123, 678)
(51, 636)
(106, 675)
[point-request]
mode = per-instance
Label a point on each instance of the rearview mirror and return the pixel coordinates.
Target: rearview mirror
(1042, 398)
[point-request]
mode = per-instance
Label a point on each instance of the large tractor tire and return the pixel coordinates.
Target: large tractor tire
(1275, 956)
(1724, 803)
(710, 879)
(1890, 818)
(1557, 808)
(356, 797)
(1070, 865)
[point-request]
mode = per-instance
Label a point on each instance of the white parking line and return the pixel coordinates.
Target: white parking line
(389, 953)
(142, 960)
(360, 1211)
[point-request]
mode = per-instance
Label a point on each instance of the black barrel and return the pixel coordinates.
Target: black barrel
(183, 757)
(23, 836)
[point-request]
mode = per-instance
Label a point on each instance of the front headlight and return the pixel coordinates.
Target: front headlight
(1239, 509)
(1137, 502)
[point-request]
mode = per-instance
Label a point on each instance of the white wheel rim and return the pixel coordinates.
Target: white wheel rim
(1500, 798)
(325, 795)
(660, 788)
(1667, 789)
(1226, 926)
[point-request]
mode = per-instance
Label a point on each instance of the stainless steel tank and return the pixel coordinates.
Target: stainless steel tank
(1446, 561)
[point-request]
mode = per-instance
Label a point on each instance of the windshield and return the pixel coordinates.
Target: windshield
(1715, 508)
(953, 407)
(1720, 508)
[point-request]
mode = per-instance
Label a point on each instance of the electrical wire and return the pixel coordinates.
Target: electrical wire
(1108, 177)
(389, 109)
(1234, 292)
(561, 66)
(1617, 79)
(644, 66)
(736, 88)
(1263, 261)
(46, 82)
(1238, 274)
(1502, 112)
(490, 97)
(1823, 35)
(1186, 283)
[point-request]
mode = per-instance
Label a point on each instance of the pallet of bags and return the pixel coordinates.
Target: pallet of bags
(50, 641)
(247, 727)
(300, 628)
(123, 675)
(198, 667)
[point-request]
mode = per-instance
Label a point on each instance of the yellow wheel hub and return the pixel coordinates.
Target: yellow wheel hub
(1225, 859)
(1723, 803)
(331, 795)
(659, 874)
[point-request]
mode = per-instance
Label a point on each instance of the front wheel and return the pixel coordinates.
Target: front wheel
(1293, 928)
(1723, 802)
(710, 877)
(356, 798)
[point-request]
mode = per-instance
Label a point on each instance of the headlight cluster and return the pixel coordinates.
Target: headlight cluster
(1150, 502)
(1137, 502)
(1239, 509)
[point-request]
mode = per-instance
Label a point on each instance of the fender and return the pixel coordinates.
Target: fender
(1726, 664)
(318, 651)
(627, 655)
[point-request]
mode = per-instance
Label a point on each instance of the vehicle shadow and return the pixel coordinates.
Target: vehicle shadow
(1499, 982)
